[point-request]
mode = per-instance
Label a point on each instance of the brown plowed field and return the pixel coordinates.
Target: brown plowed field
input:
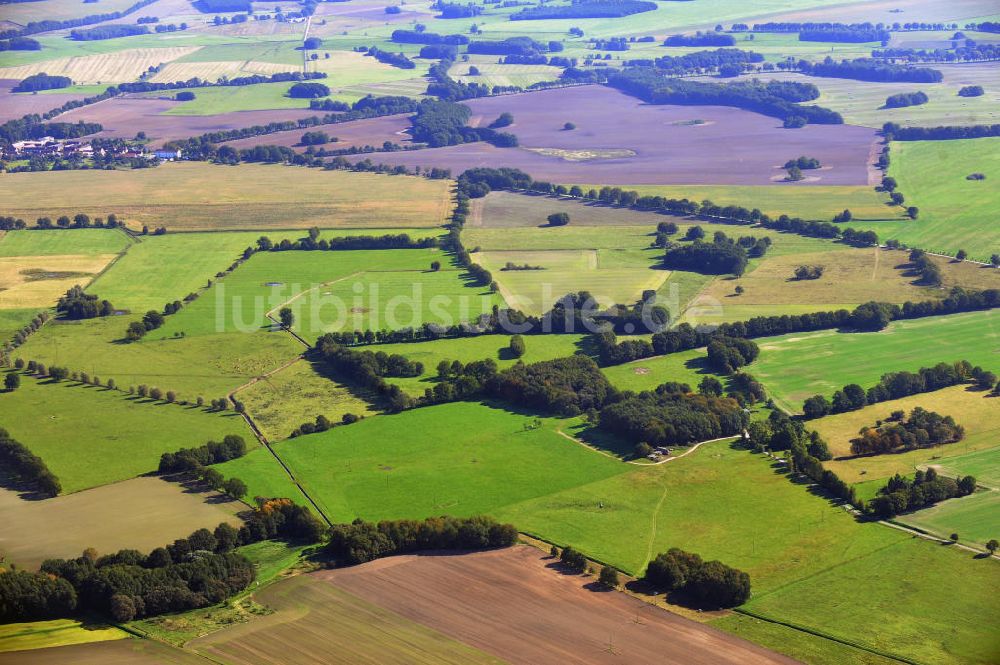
(14, 106)
(118, 652)
(123, 117)
(619, 140)
(371, 131)
(511, 603)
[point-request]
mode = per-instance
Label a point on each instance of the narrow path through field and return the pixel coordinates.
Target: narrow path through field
(270, 314)
(662, 461)
(652, 529)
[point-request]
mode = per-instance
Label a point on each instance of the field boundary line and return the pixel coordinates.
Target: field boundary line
(270, 313)
(824, 635)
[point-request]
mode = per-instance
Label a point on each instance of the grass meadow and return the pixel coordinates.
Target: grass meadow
(198, 196)
(974, 410)
(955, 213)
(55, 633)
(38, 281)
(62, 242)
(92, 436)
(794, 367)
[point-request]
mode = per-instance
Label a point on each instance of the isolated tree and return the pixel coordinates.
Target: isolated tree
(12, 382)
(794, 174)
(435, 266)
(517, 347)
(913, 212)
(569, 126)
(235, 488)
(953, 537)
(609, 577)
(738, 290)
(961, 255)
(992, 545)
(558, 219)
(287, 317)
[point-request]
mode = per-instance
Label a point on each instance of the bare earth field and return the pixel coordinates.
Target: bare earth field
(619, 140)
(511, 604)
(148, 512)
(123, 117)
(16, 105)
(372, 131)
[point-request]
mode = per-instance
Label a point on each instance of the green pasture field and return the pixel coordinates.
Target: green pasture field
(814, 202)
(975, 518)
(983, 464)
(213, 101)
(688, 367)
(974, 410)
(796, 366)
(333, 291)
(468, 349)
(92, 436)
(955, 213)
(54, 633)
(263, 475)
(190, 196)
(63, 241)
(282, 401)
(901, 583)
(798, 644)
(209, 365)
(398, 466)
(12, 320)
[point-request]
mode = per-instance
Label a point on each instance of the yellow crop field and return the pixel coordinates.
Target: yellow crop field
(115, 67)
(213, 71)
(38, 281)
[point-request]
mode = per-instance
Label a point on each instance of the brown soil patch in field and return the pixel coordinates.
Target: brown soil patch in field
(123, 117)
(731, 146)
(16, 105)
(371, 131)
(147, 512)
(118, 652)
(513, 604)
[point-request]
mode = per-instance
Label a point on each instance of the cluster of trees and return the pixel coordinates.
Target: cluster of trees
(441, 123)
(709, 583)
(42, 81)
(927, 488)
(236, 81)
(25, 466)
(75, 304)
(566, 386)
(892, 385)
(797, 26)
(905, 99)
(728, 354)
(971, 91)
(151, 320)
(223, 6)
(460, 381)
(213, 452)
(446, 88)
(894, 132)
(48, 25)
(395, 59)
(847, 34)
(922, 429)
(423, 37)
(370, 369)
(322, 424)
(360, 541)
(722, 256)
(868, 69)
(308, 91)
(509, 46)
(808, 272)
(700, 39)
(20, 44)
(652, 86)
(923, 265)
(316, 138)
(112, 31)
(672, 417)
(803, 162)
(451, 10)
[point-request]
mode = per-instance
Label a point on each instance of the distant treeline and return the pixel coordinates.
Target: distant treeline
(452, 10)
(42, 81)
(700, 62)
(970, 52)
(892, 385)
(585, 9)
(653, 87)
(509, 46)
(113, 31)
(49, 25)
(360, 541)
(20, 44)
(26, 467)
(868, 69)
(847, 34)
(893, 132)
(700, 39)
(416, 37)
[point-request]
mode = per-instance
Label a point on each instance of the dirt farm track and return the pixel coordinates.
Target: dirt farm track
(510, 604)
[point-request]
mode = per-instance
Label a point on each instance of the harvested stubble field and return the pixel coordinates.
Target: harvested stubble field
(38, 281)
(213, 71)
(124, 117)
(197, 196)
(90, 436)
(149, 512)
(621, 141)
(972, 409)
(108, 68)
(903, 345)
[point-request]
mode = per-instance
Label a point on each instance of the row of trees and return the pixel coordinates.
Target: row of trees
(869, 69)
(424, 37)
(314, 242)
(585, 9)
(700, 39)
(212, 452)
(387, 57)
(360, 541)
(20, 44)
(893, 132)
(845, 34)
(24, 465)
(922, 429)
(47, 25)
(112, 31)
(893, 385)
(927, 488)
(709, 583)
